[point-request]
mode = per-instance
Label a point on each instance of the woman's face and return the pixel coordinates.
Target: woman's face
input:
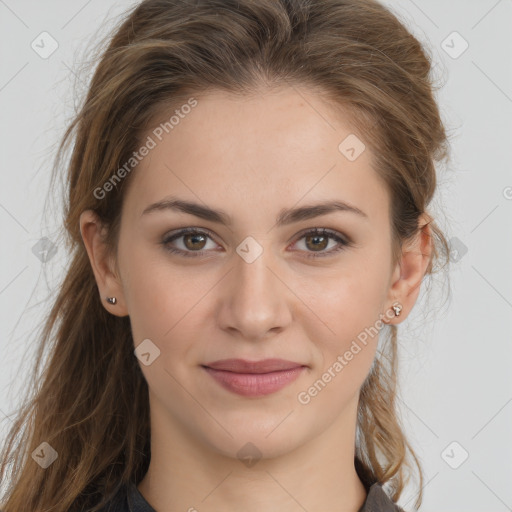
(256, 285)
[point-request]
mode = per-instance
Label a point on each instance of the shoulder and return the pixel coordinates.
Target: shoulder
(378, 501)
(119, 503)
(128, 499)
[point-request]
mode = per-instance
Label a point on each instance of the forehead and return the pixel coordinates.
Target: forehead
(278, 147)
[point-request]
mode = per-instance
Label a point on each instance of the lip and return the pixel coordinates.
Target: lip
(254, 378)
(244, 366)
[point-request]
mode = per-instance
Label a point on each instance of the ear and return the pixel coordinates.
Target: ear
(410, 270)
(107, 279)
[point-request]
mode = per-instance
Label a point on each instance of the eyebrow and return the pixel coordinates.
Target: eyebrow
(285, 217)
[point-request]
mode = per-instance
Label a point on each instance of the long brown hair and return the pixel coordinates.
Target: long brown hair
(89, 400)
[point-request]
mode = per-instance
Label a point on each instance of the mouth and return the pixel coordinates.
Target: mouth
(254, 378)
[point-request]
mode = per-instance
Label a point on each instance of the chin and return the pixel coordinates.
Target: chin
(258, 440)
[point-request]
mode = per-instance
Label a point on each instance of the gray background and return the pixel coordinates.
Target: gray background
(455, 354)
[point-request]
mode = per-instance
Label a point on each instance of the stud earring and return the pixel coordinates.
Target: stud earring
(111, 300)
(397, 309)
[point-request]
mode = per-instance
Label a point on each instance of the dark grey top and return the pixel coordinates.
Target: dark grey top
(129, 499)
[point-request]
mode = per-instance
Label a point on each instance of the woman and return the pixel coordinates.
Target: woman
(246, 210)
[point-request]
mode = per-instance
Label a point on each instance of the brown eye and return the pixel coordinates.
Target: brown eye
(194, 241)
(316, 242)
(190, 242)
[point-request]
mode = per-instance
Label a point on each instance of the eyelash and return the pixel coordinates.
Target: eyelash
(344, 243)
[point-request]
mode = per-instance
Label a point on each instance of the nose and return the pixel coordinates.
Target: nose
(254, 299)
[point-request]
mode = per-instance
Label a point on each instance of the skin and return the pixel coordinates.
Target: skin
(253, 156)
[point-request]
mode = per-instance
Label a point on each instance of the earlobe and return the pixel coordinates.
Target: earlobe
(108, 282)
(410, 270)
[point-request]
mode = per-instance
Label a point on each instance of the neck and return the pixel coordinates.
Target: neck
(186, 475)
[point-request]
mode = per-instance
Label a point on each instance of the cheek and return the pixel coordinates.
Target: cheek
(348, 305)
(155, 297)
(349, 299)
(165, 302)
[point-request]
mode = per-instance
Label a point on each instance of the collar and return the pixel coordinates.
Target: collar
(377, 500)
